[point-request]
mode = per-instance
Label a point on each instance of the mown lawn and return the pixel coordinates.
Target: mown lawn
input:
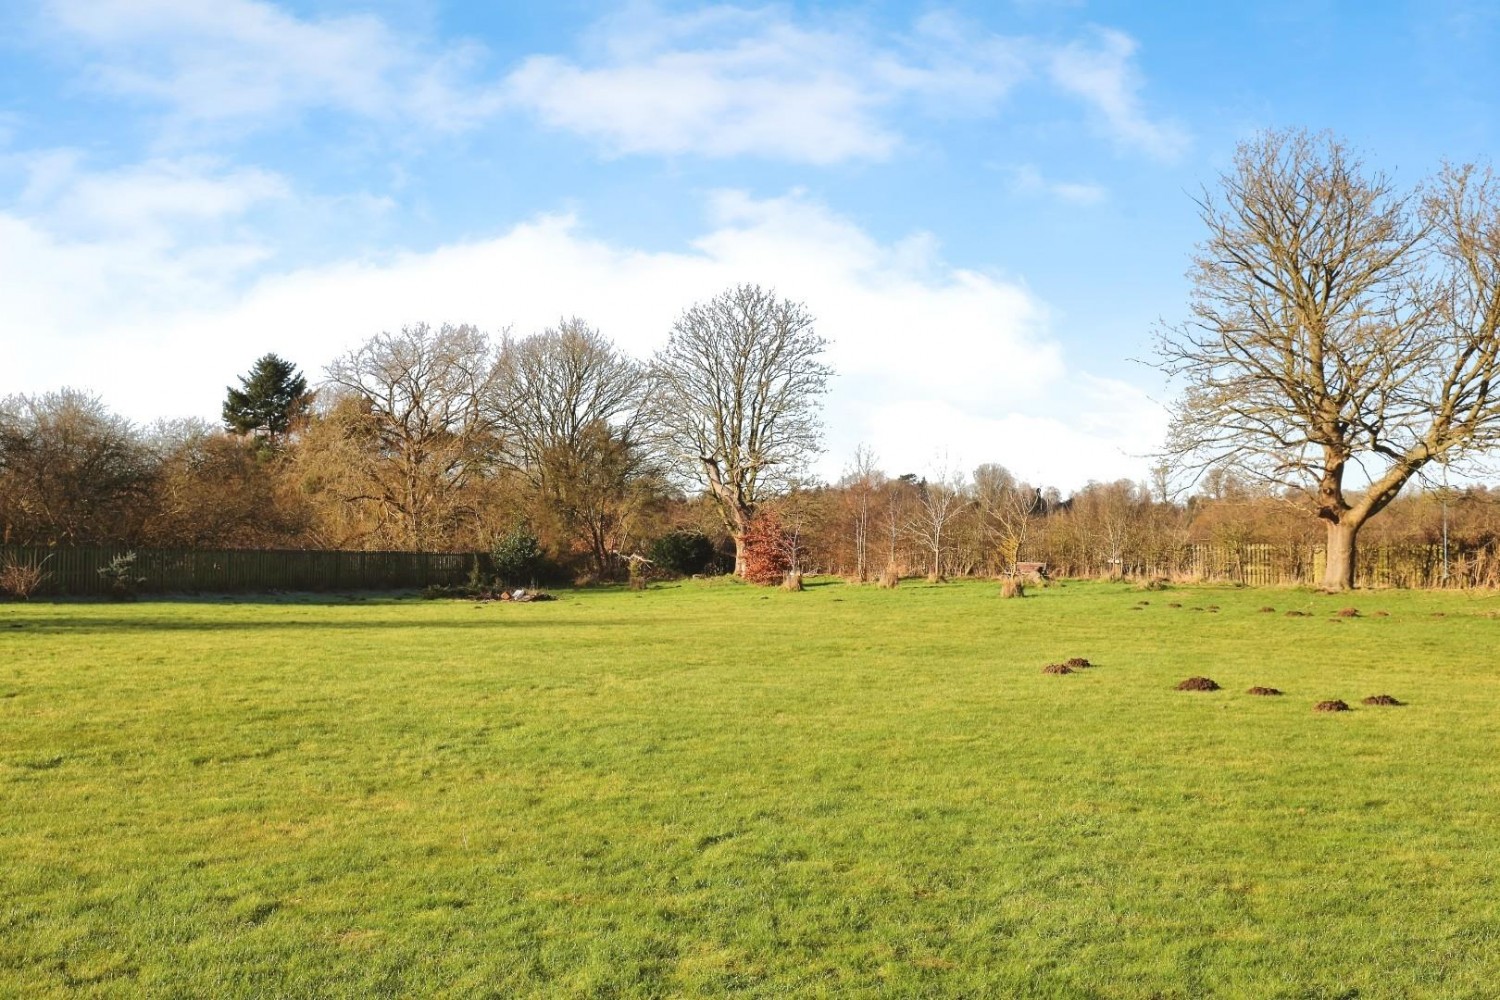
(709, 789)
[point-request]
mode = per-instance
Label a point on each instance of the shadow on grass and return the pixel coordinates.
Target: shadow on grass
(75, 624)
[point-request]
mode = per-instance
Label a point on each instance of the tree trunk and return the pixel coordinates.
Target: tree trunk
(739, 554)
(1338, 571)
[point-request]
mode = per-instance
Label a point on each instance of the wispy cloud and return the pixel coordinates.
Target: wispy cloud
(716, 81)
(728, 81)
(158, 196)
(248, 62)
(1029, 181)
(1103, 72)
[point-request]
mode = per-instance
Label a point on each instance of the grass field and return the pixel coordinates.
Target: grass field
(708, 789)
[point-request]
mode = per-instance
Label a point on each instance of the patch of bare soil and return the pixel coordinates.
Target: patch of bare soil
(1175, 604)
(1198, 684)
(1380, 699)
(1331, 706)
(1298, 614)
(1057, 668)
(1347, 612)
(1077, 661)
(1265, 691)
(1268, 610)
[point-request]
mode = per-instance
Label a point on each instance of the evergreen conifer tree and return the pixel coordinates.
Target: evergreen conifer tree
(270, 398)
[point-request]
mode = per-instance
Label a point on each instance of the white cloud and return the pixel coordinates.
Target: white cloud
(250, 62)
(1105, 76)
(727, 81)
(155, 197)
(1028, 180)
(929, 356)
(718, 81)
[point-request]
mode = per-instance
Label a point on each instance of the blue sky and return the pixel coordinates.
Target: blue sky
(987, 205)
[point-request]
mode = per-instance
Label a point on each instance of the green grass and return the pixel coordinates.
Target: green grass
(709, 790)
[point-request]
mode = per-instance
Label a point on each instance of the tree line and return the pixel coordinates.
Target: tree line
(444, 438)
(1343, 342)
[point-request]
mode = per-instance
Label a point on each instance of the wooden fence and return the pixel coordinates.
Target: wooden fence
(74, 572)
(1267, 565)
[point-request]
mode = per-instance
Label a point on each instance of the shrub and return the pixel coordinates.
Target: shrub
(1155, 583)
(119, 577)
(765, 542)
(684, 553)
(890, 579)
(519, 558)
(22, 579)
(1011, 587)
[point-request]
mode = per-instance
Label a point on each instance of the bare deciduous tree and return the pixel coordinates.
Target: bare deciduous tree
(1008, 507)
(567, 403)
(71, 472)
(1339, 323)
(861, 483)
(734, 398)
(939, 502)
(412, 433)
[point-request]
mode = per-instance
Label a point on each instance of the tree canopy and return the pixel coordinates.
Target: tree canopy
(269, 400)
(1343, 331)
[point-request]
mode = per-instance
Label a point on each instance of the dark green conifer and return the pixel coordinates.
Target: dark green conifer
(269, 400)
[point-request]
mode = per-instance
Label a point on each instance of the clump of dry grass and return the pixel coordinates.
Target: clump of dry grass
(890, 579)
(1012, 587)
(792, 581)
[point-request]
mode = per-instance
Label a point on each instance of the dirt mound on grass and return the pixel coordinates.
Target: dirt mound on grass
(1264, 691)
(1077, 661)
(1175, 604)
(1298, 614)
(1268, 610)
(1198, 684)
(1380, 699)
(1331, 706)
(1347, 612)
(1057, 668)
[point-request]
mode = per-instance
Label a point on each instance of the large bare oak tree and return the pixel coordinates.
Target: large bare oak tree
(411, 429)
(567, 403)
(1344, 333)
(734, 398)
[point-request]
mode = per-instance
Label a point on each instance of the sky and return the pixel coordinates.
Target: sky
(988, 206)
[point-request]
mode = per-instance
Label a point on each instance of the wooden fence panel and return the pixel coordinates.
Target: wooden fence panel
(74, 572)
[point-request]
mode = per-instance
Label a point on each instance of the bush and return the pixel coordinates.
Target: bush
(519, 559)
(119, 577)
(21, 580)
(765, 541)
(890, 579)
(684, 553)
